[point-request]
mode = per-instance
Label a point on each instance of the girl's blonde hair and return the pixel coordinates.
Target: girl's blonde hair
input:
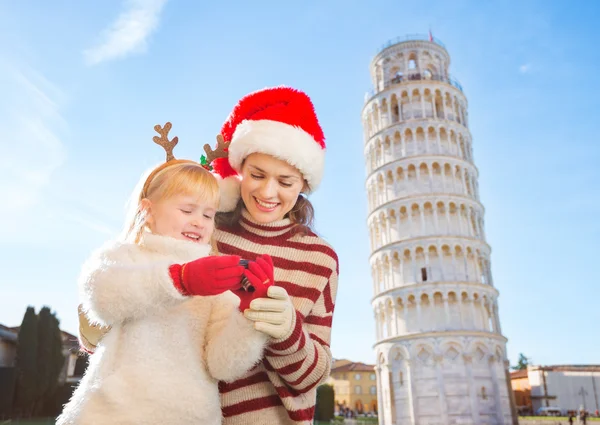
(175, 177)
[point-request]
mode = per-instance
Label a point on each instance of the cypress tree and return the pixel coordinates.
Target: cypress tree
(324, 408)
(26, 364)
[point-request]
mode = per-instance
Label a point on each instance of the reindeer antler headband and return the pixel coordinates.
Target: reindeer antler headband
(212, 154)
(168, 146)
(164, 141)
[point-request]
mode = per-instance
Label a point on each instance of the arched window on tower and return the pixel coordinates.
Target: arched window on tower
(395, 109)
(412, 61)
(439, 111)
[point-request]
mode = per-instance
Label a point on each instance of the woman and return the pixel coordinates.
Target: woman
(272, 153)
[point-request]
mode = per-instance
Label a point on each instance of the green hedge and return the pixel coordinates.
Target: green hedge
(325, 403)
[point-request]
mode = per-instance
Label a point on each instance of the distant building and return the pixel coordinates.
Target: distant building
(355, 386)
(8, 346)
(73, 367)
(568, 387)
(75, 363)
(519, 381)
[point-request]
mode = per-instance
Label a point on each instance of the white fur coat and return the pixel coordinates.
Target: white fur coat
(161, 361)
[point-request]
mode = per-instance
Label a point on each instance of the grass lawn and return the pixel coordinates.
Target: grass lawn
(357, 421)
(557, 418)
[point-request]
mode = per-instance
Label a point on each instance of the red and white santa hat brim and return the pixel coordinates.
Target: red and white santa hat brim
(283, 141)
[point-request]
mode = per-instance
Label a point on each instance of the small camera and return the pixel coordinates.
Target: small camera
(246, 285)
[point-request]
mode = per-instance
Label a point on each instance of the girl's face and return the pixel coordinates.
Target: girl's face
(270, 187)
(181, 217)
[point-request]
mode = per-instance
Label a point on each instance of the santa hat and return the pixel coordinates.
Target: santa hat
(279, 121)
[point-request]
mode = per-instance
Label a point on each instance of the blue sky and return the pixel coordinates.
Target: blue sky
(83, 84)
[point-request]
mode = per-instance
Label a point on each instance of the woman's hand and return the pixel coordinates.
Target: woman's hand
(273, 315)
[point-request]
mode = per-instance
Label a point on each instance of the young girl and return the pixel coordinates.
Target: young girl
(176, 329)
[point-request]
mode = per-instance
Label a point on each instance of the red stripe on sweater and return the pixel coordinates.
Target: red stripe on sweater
(305, 266)
(284, 370)
(266, 228)
(279, 262)
(265, 240)
(327, 298)
(295, 290)
(324, 249)
(252, 405)
(301, 345)
(319, 340)
(307, 371)
(291, 392)
(227, 249)
(321, 321)
(303, 414)
(302, 342)
(245, 382)
(293, 338)
(284, 392)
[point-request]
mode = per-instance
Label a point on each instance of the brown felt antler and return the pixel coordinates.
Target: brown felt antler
(164, 141)
(219, 152)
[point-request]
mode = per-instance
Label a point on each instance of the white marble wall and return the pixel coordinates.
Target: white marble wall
(443, 381)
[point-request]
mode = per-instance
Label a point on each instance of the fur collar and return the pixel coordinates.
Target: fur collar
(183, 250)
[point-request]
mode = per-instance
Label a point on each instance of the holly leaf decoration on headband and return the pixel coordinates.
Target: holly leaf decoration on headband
(205, 164)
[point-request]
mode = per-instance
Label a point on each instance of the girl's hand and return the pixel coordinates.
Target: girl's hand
(208, 275)
(260, 276)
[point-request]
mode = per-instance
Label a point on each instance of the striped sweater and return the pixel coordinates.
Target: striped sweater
(282, 388)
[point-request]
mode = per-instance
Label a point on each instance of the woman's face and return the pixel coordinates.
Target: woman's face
(270, 187)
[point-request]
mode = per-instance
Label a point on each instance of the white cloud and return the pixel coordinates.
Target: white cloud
(129, 33)
(32, 152)
(31, 147)
(525, 68)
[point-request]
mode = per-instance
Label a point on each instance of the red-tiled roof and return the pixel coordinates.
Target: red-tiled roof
(518, 374)
(570, 368)
(557, 368)
(353, 367)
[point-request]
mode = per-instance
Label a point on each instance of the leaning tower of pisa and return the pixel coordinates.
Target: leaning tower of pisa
(441, 356)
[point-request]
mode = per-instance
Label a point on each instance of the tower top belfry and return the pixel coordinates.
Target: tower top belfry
(415, 58)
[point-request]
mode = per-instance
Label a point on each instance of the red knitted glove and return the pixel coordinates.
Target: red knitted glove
(208, 275)
(260, 275)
